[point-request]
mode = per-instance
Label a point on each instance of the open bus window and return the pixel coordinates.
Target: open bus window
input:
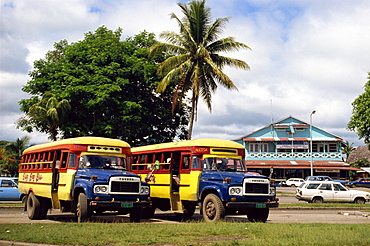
(223, 164)
(102, 161)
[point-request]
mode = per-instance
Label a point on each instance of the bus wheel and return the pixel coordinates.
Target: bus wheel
(148, 213)
(258, 215)
(45, 204)
(212, 208)
(82, 210)
(135, 215)
(189, 210)
(33, 207)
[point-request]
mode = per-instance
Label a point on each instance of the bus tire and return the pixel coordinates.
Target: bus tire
(258, 215)
(135, 215)
(45, 204)
(212, 208)
(189, 210)
(148, 213)
(82, 210)
(33, 207)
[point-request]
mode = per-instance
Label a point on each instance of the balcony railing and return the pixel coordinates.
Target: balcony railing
(294, 156)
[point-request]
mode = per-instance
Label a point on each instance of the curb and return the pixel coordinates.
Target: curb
(11, 243)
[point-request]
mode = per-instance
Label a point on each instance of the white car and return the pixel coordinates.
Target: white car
(294, 182)
(330, 191)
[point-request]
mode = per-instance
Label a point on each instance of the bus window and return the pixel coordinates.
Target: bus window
(167, 159)
(72, 160)
(225, 164)
(185, 162)
(196, 162)
(64, 160)
(102, 161)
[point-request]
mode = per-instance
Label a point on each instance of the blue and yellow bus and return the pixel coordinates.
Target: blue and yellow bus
(206, 172)
(83, 175)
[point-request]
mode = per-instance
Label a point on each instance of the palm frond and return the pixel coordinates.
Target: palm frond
(220, 76)
(226, 45)
(222, 61)
(214, 31)
(170, 63)
(172, 75)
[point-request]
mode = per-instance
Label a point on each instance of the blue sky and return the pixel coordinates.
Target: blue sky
(304, 55)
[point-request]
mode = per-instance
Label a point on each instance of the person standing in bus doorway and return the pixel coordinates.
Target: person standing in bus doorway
(175, 175)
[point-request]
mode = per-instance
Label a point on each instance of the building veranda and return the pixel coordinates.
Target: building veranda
(282, 150)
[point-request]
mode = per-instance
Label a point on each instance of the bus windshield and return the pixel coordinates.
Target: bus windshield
(102, 161)
(223, 164)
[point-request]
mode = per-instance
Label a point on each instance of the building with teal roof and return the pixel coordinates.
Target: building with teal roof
(282, 150)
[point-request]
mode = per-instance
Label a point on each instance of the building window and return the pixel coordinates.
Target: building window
(254, 147)
(265, 147)
(332, 147)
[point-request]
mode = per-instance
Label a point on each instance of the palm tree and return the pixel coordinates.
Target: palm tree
(51, 113)
(347, 149)
(196, 65)
(13, 153)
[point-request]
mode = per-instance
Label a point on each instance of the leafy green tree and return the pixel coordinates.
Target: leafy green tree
(363, 162)
(12, 155)
(197, 65)
(347, 149)
(47, 115)
(110, 85)
(360, 120)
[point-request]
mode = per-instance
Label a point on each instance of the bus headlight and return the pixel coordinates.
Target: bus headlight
(101, 189)
(235, 191)
(144, 190)
(272, 191)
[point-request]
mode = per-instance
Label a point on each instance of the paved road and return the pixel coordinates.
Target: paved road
(281, 215)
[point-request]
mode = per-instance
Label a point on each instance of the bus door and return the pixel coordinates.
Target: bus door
(175, 182)
(62, 179)
(55, 179)
(66, 173)
(189, 178)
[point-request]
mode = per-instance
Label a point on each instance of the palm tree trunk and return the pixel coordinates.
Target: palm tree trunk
(192, 115)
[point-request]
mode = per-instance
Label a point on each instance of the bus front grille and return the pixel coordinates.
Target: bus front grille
(125, 186)
(251, 188)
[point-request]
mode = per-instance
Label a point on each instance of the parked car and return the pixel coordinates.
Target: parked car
(293, 182)
(361, 182)
(330, 191)
(324, 178)
(9, 189)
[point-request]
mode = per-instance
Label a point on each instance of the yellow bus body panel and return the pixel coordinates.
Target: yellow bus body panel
(39, 183)
(189, 185)
(65, 185)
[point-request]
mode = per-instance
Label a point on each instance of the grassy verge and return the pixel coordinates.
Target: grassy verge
(325, 205)
(222, 233)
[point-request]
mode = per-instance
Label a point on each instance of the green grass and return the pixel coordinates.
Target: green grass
(199, 233)
(325, 205)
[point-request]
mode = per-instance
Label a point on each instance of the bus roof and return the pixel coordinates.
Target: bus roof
(204, 142)
(82, 140)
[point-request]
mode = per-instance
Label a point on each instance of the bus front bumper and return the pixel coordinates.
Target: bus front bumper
(117, 205)
(251, 205)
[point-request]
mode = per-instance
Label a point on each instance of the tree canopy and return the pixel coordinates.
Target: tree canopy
(360, 120)
(197, 64)
(110, 85)
(10, 156)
